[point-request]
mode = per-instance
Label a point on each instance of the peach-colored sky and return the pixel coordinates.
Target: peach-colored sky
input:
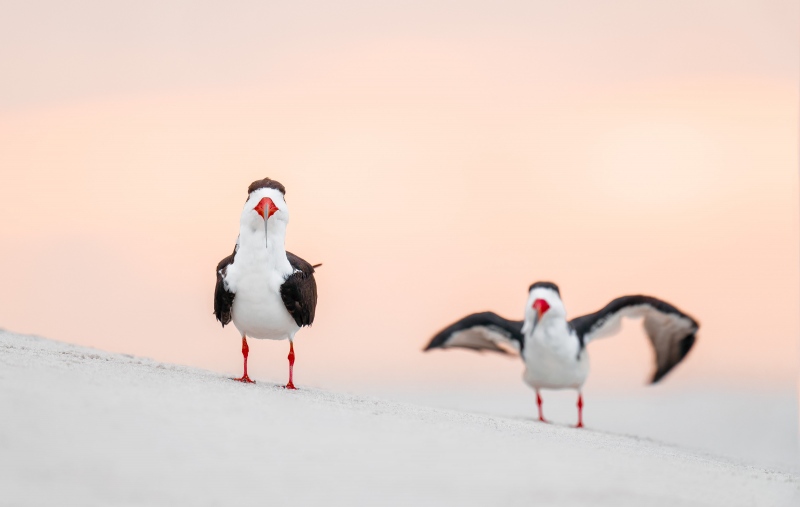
(438, 156)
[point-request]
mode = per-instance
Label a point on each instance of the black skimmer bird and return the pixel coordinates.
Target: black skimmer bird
(554, 348)
(269, 293)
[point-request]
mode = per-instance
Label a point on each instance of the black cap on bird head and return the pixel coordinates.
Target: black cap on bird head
(266, 183)
(545, 285)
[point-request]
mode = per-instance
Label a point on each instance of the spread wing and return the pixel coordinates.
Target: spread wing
(223, 298)
(481, 331)
(299, 291)
(672, 332)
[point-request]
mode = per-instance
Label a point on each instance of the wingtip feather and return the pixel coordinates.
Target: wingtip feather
(433, 344)
(685, 345)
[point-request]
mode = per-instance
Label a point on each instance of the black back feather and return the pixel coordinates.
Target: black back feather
(223, 299)
(299, 291)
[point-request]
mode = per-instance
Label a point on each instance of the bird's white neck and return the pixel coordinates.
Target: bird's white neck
(269, 249)
(552, 333)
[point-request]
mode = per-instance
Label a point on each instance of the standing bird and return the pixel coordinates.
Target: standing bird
(554, 349)
(269, 293)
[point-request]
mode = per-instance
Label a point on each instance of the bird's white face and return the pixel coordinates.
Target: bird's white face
(543, 305)
(263, 206)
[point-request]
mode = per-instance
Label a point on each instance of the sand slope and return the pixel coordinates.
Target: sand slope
(84, 427)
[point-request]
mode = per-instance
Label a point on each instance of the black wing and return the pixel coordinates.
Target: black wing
(299, 291)
(481, 331)
(672, 332)
(223, 298)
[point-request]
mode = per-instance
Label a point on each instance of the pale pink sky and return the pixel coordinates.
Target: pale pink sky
(439, 157)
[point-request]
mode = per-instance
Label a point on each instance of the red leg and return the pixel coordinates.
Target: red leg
(245, 352)
(539, 404)
(580, 410)
(290, 385)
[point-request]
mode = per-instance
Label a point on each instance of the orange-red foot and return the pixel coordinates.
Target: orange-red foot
(245, 379)
(542, 419)
(290, 385)
(579, 425)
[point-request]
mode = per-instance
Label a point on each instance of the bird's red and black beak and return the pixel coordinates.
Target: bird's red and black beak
(266, 206)
(541, 306)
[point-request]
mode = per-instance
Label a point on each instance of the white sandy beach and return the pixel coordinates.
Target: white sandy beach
(86, 427)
